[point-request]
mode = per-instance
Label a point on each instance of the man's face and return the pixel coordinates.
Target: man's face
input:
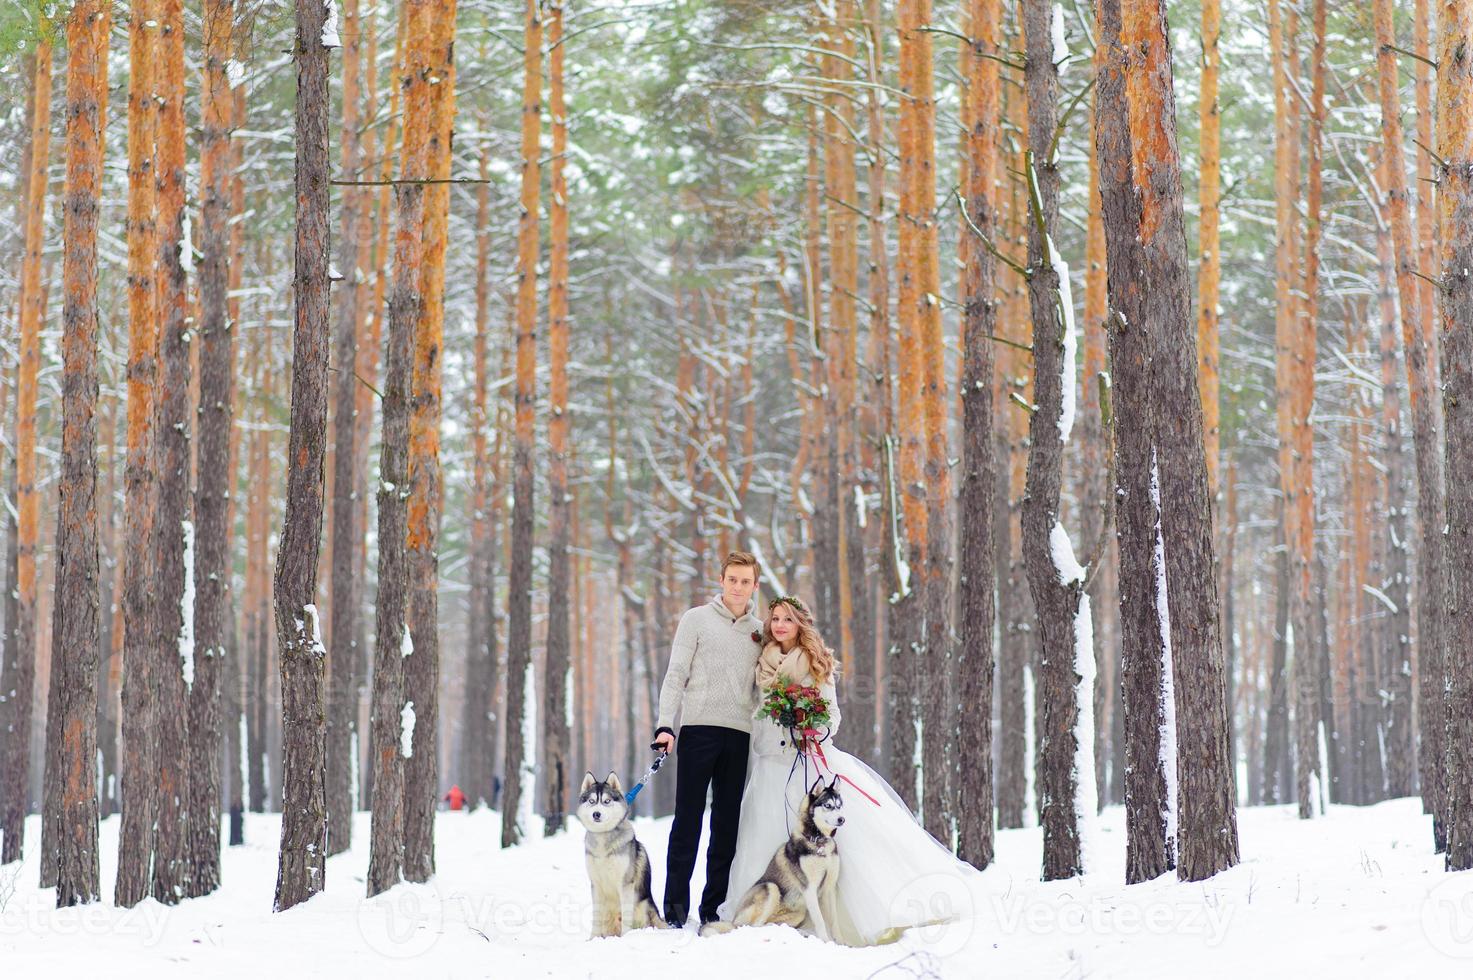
(738, 583)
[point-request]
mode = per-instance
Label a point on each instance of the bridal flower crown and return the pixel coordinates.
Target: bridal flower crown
(790, 600)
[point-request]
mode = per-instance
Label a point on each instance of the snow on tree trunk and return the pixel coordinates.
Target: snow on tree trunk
(1168, 690)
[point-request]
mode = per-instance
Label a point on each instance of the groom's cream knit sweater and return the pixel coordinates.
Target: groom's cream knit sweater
(711, 679)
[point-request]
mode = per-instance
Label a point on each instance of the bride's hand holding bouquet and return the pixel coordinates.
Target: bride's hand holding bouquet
(798, 708)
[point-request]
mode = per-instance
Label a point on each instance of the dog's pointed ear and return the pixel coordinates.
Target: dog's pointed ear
(613, 782)
(588, 782)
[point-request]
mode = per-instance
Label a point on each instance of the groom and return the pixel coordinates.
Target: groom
(711, 683)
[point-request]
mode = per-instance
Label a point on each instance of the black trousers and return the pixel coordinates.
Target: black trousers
(714, 756)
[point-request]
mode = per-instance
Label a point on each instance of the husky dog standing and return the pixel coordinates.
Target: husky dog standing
(618, 865)
(799, 886)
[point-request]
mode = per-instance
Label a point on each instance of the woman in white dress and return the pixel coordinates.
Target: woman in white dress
(892, 873)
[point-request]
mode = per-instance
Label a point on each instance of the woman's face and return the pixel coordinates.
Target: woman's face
(782, 624)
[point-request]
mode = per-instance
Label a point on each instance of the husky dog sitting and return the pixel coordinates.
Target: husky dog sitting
(618, 865)
(799, 887)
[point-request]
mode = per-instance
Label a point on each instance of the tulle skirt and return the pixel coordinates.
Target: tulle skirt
(892, 874)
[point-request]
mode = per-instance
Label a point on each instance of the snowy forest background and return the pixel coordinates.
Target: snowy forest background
(706, 331)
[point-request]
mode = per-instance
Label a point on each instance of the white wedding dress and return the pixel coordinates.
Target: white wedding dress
(892, 873)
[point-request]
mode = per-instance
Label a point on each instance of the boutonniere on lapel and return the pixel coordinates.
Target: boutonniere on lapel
(757, 636)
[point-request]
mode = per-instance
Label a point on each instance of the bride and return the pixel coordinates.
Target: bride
(888, 863)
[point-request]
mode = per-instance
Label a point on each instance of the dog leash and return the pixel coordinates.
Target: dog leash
(654, 768)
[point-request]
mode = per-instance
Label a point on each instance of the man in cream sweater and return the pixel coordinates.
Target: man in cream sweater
(711, 685)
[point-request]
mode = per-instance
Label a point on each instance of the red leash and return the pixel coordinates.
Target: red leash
(811, 745)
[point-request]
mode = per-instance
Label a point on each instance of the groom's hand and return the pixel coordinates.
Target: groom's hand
(664, 741)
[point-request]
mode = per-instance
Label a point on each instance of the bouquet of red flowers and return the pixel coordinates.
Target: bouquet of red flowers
(795, 706)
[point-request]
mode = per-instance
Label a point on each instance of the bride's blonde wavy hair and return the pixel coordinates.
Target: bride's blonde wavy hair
(821, 659)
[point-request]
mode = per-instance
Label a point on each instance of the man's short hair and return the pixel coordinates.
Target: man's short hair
(740, 558)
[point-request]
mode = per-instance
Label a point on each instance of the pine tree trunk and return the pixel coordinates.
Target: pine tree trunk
(1206, 816)
(20, 629)
(1390, 720)
(1455, 191)
(256, 632)
(867, 712)
(231, 694)
(475, 766)
(1096, 496)
(1422, 386)
(140, 627)
(556, 695)
(973, 797)
(908, 663)
(301, 870)
(520, 756)
(391, 717)
(1150, 850)
(422, 670)
(343, 650)
(1209, 269)
(74, 667)
(1056, 599)
(173, 528)
(216, 414)
(937, 697)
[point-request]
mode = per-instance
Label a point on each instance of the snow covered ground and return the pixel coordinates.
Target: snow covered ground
(1357, 894)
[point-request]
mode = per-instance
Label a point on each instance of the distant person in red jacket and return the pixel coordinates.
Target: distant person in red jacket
(455, 798)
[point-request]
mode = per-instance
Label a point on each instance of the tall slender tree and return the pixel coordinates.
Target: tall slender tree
(20, 634)
(216, 416)
(74, 669)
(1455, 191)
(559, 673)
(1145, 231)
(343, 650)
(907, 646)
(392, 717)
(302, 859)
(173, 527)
(1422, 386)
(977, 492)
(1057, 586)
(140, 630)
(521, 753)
(422, 670)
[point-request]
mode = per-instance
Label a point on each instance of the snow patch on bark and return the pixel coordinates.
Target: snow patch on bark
(1067, 369)
(1062, 551)
(186, 607)
(330, 38)
(186, 245)
(406, 730)
(528, 767)
(310, 610)
(1060, 40)
(1167, 734)
(1086, 793)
